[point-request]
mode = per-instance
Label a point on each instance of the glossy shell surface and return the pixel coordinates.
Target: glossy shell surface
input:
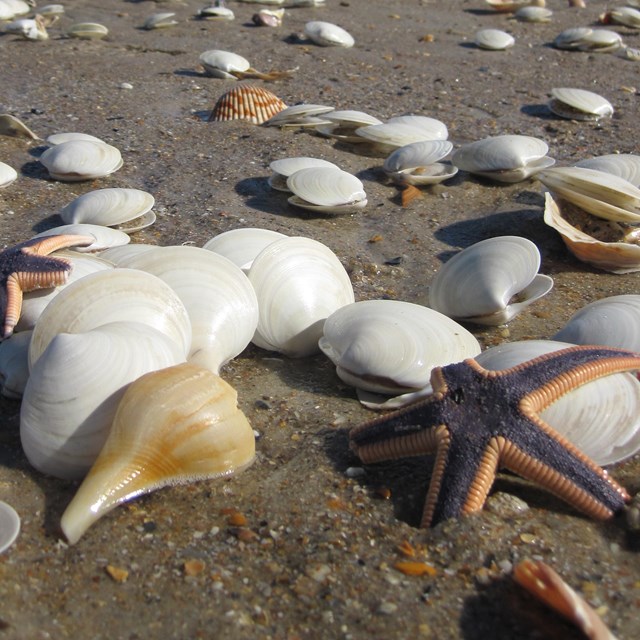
(247, 102)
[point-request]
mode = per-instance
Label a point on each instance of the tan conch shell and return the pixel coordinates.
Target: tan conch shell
(172, 426)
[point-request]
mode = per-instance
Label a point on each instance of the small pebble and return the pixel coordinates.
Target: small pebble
(126, 85)
(354, 472)
(387, 608)
(117, 574)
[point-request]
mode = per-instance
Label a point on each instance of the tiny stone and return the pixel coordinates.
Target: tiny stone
(387, 608)
(126, 85)
(116, 573)
(505, 504)
(354, 472)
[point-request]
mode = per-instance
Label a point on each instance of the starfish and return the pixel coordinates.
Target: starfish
(27, 266)
(479, 420)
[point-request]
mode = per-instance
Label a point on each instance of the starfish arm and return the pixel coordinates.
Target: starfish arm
(45, 245)
(11, 305)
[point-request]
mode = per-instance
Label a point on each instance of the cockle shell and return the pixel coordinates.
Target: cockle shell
(173, 426)
(419, 163)
(7, 175)
(479, 283)
(327, 190)
(74, 389)
(299, 282)
(78, 160)
(390, 347)
(127, 209)
(505, 158)
(247, 102)
(285, 167)
(327, 34)
(602, 418)
(494, 39)
(579, 104)
(241, 246)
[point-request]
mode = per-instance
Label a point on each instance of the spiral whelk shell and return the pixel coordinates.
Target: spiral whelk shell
(247, 102)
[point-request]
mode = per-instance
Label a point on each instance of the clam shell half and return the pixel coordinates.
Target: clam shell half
(326, 189)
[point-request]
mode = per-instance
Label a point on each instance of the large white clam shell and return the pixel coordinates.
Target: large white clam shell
(105, 237)
(403, 130)
(7, 175)
(285, 167)
(612, 321)
(419, 163)
(299, 115)
(79, 160)
(119, 256)
(505, 158)
(172, 426)
(327, 34)
(623, 165)
(14, 364)
(602, 418)
(217, 295)
(579, 104)
(588, 39)
(223, 64)
(479, 283)
(494, 39)
(74, 388)
(88, 31)
(67, 136)
(326, 189)
(113, 296)
(390, 347)
(342, 125)
(241, 246)
(299, 282)
(128, 209)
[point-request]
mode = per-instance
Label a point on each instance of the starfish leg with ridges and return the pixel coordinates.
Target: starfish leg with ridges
(28, 266)
(478, 420)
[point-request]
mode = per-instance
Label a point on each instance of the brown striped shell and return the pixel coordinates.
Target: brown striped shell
(247, 102)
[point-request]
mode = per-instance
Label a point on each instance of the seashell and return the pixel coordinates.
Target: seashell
(74, 388)
(88, 31)
(285, 167)
(29, 28)
(587, 39)
(299, 115)
(601, 418)
(623, 165)
(419, 163)
(268, 17)
(51, 10)
(506, 158)
(217, 295)
(533, 14)
(327, 34)
(403, 130)
(241, 246)
(160, 20)
(342, 125)
(105, 237)
(19, 7)
(326, 190)
(125, 209)
(390, 347)
(14, 364)
(9, 526)
(299, 282)
(119, 256)
(14, 127)
(117, 295)
(513, 5)
(223, 64)
(494, 39)
(603, 245)
(216, 13)
(58, 138)
(247, 102)
(172, 426)
(479, 283)
(7, 175)
(612, 321)
(627, 16)
(579, 104)
(602, 194)
(78, 160)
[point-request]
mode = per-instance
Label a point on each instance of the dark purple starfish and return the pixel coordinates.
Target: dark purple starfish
(27, 266)
(478, 420)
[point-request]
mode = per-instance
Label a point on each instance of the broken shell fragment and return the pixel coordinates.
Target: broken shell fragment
(246, 102)
(14, 127)
(78, 160)
(494, 39)
(579, 104)
(327, 34)
(172, 426)
(29, 28)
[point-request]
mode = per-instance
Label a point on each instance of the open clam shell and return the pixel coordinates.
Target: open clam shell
(241, 246)
(285, 167)
(490, 282)
(390, 347)
(223, 64)
(588, 39)
(602, 418)
(300, 115)
(78, 160)
(172, 426)
(342, 125)
(299, 282)
(326, 190)
(623, 165)
(127, 209)
(327, 34)
(579, 104)
(420, 163)
(403, 130)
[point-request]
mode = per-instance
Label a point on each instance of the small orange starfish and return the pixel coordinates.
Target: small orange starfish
(479, 420)
(27, 266)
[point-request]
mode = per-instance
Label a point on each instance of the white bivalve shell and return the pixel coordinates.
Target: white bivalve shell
(88, 31)
(299, 282)
(161, 20)
(285, 167)
(390, 347)
(419, 163)
(612, 321)
(533, 14)
(14, 364)
(105, 237)
(326, 190)
(579, 104)
(601, 418)
(327, 34)
(78, 160)
(622, 165)
(402, 130)
(126, 209)
(588, 39)
(494, 39)
(490, 282)
(67, 136)
(74, 388)
(223, 64)
(300, 115)
(342, 125)
(7, 175)
(505, 158)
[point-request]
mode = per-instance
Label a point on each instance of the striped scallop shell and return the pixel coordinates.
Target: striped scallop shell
(247, 102)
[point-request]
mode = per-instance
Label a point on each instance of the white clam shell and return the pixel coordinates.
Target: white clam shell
(342, 125)
(419, 163)
(113, 296)
(9, 526)
(533, 14)
(494, 39)
(241, 246)
(78, 160)
(74, 388)
(390, 347)
(105, 237)
(285, 167)
(579, 104)
(327, 34)
(628, 16)
(128, 208)
(601, 418)
(217, 295)
(326, 189)
(478, 284)
(299, 282)
(223, 64)
(612, 321)
(172, 426)
(623, 165)
(67, 136)
(299, 115)
(216, 13)
(14, 364)
(403, 130)
(505, 158)
(160, 20)
(7, 175)
(120, 255)
(587, 39)
(88, 31)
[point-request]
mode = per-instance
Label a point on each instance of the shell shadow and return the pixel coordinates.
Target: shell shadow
(539, 111)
